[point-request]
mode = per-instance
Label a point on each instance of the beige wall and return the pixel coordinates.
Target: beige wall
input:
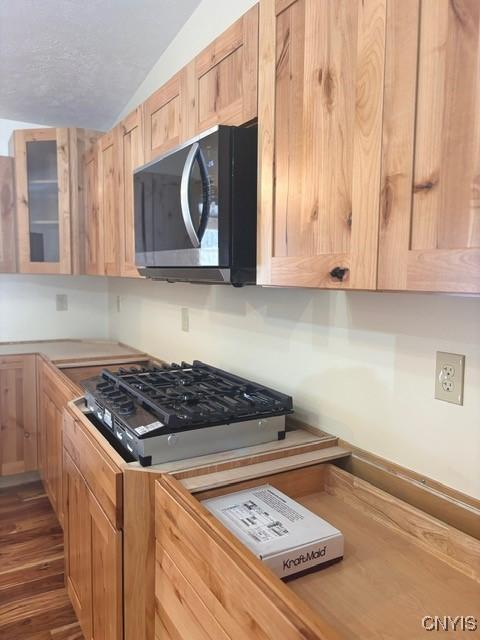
(27, 303)
(28, 307)
(361, 365)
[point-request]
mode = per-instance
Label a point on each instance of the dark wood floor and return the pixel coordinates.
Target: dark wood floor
(33, 601)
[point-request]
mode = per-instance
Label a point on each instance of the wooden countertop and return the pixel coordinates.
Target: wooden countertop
(58, 351)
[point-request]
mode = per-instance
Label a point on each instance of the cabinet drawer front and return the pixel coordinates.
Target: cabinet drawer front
(178, 608)
(103, 477)
(57, 387)
(243, 596)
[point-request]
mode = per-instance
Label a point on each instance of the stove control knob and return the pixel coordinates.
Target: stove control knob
(127, 407)
(172, 439)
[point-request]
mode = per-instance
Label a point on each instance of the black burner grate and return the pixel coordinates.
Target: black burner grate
(197, 393)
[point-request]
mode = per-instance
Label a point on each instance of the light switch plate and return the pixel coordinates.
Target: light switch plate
(449, 375)
(61, 301)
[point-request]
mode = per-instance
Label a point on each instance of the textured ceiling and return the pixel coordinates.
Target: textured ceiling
(77, 62)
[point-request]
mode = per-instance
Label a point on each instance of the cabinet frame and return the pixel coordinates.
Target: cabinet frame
(8, 256)
(133, 155)
(432, 48)
(20, 140)
(358, 266)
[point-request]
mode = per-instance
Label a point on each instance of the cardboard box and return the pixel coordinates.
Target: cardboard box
(287, 537)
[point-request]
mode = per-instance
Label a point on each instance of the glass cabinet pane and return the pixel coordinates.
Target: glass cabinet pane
(42, 179)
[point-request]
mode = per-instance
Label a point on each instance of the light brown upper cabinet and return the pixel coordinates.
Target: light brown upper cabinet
(166, 120)
(129, 148)
(321, 75)
(224, 77)
(42, 172)
(430, 212)
(108, 203)
(7, 216)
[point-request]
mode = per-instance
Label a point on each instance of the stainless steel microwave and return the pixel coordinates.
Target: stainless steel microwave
(196, 210)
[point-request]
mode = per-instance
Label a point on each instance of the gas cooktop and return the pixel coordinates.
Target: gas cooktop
(176, 411)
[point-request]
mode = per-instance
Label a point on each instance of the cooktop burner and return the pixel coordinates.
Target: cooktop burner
(172, 399)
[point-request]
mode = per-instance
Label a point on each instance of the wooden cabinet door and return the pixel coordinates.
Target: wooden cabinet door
(42, 176)
(94, 249)
(129, 147)
(7, 216)
(78, 549)
(321, 75)
(54, 455)
(430, 214)
(107, 592)
(18, 419)
(94, 556)
(107, 193)
(55, 394)
(167, 117)
(225, 76)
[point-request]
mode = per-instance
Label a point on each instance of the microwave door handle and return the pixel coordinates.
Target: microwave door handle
(187, 217)
(206, 194)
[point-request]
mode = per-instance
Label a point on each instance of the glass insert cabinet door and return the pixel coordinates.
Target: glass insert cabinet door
(43, 200)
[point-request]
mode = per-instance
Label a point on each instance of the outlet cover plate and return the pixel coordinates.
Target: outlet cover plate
(61, 302)
(449, 376)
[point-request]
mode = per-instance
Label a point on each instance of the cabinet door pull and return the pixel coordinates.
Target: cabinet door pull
(339, 273)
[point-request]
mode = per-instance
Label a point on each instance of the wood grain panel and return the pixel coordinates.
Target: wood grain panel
(81, 141)
(163, 117)
(18, 414)
(139, 553)
(266, 608)
(94, 229)
(78, 560)
(179, 606)
(322, 66)
(108, 203)
(430, 207)
(107, 575)
(438, 538)
(7, 216)
(33, 601)
(55, 391)
(101, 474)
(225, 82)
(396, 578)
(129, 147)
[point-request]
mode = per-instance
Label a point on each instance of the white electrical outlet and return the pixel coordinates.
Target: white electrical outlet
(185, 319)
(61, 300)
(449, 374)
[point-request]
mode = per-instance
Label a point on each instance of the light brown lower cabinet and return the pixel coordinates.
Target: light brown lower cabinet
(18, 419)
(206, 585)
(54, 392)
(93, 543)
(399, 563)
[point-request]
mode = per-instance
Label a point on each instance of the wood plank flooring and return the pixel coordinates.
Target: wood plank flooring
(33, 600)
